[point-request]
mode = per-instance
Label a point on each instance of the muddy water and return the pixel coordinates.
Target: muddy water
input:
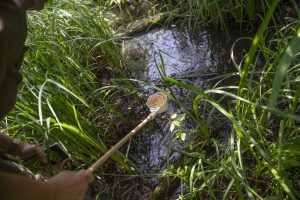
(190, 59)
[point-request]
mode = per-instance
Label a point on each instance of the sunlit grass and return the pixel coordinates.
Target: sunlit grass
(60, 98)
(265, 123)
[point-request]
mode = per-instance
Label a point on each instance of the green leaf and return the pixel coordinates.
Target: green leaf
(172, 127)
(174, 116)
(254, 46)
(183, 136)
(180, 118)
(292, 49)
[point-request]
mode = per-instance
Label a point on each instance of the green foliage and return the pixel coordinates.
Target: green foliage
(60, 98)
(176, 126)
(290, 53)
(259, 160)
(216, 12)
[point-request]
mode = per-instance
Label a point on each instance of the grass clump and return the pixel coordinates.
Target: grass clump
(61, 98)
(259, 159)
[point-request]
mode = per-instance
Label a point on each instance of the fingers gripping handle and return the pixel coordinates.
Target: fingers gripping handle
(109, 153)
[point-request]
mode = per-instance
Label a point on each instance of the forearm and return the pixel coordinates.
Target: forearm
(7, 147)
(14, 187)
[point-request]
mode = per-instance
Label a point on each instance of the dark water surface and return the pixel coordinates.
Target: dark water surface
(191, 59)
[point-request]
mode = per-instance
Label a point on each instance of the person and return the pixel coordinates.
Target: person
(67, 185)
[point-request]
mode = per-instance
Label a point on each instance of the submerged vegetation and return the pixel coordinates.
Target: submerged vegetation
(76, 87)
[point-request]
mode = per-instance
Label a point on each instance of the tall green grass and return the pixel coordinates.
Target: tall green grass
(219, 13)
(259, 159)
(61, 99)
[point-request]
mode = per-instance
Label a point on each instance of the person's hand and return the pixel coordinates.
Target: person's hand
(60, 165)
(70, 185)
(38, 5)
(28, 150)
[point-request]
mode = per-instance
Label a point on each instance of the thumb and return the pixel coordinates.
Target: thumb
(40, 154)
(89, 176)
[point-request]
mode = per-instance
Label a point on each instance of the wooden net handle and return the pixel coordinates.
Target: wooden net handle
(109, 153)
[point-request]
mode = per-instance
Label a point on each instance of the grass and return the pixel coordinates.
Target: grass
(60, 98)
(265, 123)
(217, 13)
(65, 97)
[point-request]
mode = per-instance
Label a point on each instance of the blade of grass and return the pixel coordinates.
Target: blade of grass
(291, 50)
